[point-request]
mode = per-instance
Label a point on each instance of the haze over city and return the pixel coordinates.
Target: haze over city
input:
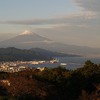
(75, 22)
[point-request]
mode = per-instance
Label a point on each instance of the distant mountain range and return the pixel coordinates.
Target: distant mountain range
(14, 54)
(48, 53)
(28, 40)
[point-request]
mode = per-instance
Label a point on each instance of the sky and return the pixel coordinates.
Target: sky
(75, 22)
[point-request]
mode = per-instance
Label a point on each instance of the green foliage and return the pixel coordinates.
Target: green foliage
(3, 98)
(14, 54)
(4, 75)
(54, 75)
(90, 69)
(56, 83)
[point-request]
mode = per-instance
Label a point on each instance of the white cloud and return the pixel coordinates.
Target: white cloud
(81, 18)
(82, 28)
(90, 16)
(89, 5)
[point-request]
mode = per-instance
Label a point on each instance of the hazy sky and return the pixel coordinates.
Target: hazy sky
(68, 21)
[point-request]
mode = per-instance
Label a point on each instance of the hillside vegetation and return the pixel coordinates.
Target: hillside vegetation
(14, 54)
(53, 84)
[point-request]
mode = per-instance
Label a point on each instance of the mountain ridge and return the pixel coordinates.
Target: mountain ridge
(53, 53)
(16, 54)
(33, 40)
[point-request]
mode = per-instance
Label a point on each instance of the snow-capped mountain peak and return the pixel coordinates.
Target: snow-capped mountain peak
(26, 32)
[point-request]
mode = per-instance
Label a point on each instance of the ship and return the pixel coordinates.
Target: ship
(63, 64)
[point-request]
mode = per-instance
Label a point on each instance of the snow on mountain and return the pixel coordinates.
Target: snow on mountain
(26, 32)
(28, 39)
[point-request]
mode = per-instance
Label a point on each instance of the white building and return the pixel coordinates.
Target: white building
(41, 68)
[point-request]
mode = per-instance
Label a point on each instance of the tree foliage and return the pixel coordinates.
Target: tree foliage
(54, 83)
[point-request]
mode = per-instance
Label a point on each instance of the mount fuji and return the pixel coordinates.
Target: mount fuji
(28, 40)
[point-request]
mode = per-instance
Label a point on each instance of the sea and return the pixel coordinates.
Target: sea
(72, 63)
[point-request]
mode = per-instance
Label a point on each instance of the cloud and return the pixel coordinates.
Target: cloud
(80, 18)
(81, 28)
(89, 5)
(90, 16)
